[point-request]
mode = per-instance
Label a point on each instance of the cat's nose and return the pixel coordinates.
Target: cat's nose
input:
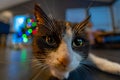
(64, 61)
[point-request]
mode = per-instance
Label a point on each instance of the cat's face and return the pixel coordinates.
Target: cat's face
(61, 46)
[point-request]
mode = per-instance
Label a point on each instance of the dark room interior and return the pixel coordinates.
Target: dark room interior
(18, 27)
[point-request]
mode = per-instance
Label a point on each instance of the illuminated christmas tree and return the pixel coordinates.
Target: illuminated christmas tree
(28, 31)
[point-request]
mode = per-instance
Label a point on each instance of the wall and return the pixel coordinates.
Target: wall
(55, 8)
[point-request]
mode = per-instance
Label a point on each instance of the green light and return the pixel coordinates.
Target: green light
(25, 40)
(23, 55)
(30, 30)
(28, 20)
(34, 24)
(24, 36)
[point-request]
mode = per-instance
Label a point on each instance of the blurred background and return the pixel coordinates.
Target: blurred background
(18, 26)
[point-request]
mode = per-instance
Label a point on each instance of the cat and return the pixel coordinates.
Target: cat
(60, 47)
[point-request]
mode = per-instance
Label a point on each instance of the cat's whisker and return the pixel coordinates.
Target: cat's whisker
(52, 18)
(41, 68)
(39, 64)
(84, 71)
(46, 19)
(36, 65)
(33, 58)
(39, 72)
(49, 22)
(80, 70)
(84, 67)
(87, 68)
(52, 22)
(51, 11)
(37, 68)
(44, 68)
(76, 70)
(41, 56)
(36, 76)
(39, 59)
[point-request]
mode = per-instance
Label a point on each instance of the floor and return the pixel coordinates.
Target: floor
(15, 64)
(110, 54)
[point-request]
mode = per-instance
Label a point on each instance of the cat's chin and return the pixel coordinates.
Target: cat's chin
(60, 74)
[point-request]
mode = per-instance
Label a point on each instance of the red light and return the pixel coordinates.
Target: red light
(34, 32)
(32, 20)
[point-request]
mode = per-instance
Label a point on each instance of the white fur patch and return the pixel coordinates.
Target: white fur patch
(105, 65)
(64, 50)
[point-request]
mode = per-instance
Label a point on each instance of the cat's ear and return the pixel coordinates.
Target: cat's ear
(82, 25)
(40, 15)
(85, 22)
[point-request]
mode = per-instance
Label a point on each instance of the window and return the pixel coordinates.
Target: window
(75, 15)
(101, 18)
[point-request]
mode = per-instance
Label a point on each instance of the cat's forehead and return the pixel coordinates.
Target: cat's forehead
(66, 28)
(64, 25)
(59, 28)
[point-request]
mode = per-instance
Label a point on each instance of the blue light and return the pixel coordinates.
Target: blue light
(29, 24)
(19, 22)
(27, 33)
(21, 39)
(20, 33)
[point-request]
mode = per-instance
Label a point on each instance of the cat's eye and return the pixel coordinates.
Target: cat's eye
(78, 42)
(50, 40)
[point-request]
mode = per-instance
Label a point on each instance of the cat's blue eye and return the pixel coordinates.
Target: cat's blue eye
(78, 42)
(50, 40)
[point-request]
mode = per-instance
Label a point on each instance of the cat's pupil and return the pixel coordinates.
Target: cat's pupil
(77, 42)
(50, 40)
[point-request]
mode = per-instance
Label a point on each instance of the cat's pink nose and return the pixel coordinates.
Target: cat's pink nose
(64, 61)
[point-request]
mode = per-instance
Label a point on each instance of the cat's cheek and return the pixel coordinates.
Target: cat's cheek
(75, 61)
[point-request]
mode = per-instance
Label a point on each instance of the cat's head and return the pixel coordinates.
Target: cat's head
(59, 45)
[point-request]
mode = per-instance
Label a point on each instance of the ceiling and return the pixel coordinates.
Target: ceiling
(9, 3)
(4, 4)
(86, 3)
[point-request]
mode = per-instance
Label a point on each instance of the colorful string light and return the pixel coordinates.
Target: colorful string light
(28, 31)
